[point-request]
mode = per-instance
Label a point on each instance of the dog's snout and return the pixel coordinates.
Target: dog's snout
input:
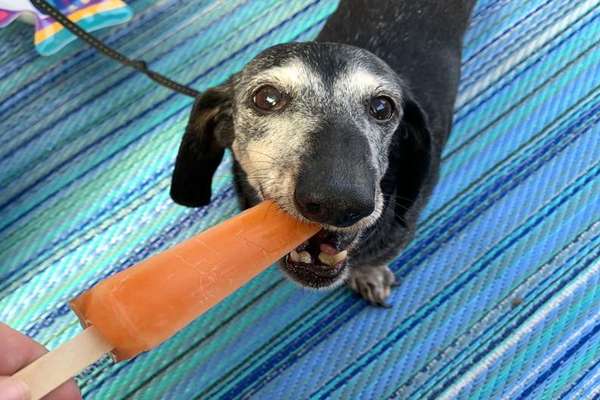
(337, 181)
(334, 206)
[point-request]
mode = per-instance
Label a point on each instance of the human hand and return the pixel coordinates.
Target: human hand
(17, 351)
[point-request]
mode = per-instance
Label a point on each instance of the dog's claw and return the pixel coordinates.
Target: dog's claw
(373, 284)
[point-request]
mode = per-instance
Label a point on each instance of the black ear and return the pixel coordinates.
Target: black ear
(411, 157)
(202, 147)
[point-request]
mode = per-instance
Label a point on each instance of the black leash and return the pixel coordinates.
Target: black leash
(139, 65)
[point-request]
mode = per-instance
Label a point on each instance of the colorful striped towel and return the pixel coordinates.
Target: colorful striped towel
(500, 294)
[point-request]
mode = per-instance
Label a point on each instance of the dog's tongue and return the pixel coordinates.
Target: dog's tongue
(331, 243)
(328, 249)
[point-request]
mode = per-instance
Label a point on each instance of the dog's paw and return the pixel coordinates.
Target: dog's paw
(373, 284)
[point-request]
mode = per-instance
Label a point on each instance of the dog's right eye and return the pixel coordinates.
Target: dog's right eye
(267, 98)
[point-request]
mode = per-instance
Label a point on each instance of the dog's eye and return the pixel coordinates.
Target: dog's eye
(268, 98)
(381, 108)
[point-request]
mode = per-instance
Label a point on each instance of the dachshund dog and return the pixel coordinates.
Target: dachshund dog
(346, 131)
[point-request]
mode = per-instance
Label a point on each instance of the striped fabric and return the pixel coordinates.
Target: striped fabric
(500, 294)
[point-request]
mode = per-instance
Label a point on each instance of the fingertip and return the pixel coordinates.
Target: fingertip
(13, 389)
(17, 350)
(67, 391)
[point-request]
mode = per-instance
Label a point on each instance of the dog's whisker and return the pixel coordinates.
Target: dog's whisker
(262, 154)
(404, 199)
(392, 198)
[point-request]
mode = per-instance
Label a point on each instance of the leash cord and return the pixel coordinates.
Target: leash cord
(139, 65)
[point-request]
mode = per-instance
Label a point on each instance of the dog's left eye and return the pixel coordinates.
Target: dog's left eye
(381, 108)
(268, 98)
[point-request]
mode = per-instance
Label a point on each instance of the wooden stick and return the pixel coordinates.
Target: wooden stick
(58, 366)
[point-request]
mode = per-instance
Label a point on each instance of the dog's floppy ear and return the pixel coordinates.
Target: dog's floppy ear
(202, 147)
(411, 155)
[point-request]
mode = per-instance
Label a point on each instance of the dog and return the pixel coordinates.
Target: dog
(346, 131)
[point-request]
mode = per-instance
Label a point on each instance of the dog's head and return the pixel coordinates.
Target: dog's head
(321, 129)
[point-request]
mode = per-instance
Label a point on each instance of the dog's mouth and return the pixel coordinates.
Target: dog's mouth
(321, 261)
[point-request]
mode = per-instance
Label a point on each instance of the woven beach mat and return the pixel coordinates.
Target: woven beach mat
(500, 290)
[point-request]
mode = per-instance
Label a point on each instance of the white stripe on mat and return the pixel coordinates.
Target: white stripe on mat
(485, 363)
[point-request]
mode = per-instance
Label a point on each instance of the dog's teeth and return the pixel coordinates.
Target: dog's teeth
(305, 257)
(326, 259)
(332, 260)
(294, 256)
(340, 256)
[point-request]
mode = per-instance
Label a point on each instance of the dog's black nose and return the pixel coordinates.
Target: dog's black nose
(334, 205)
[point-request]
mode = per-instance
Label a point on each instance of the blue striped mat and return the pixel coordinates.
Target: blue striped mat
(500, 294)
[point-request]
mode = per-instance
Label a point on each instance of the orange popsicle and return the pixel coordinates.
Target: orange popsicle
(142, 306)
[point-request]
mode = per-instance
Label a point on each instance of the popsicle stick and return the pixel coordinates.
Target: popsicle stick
(56, 367)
